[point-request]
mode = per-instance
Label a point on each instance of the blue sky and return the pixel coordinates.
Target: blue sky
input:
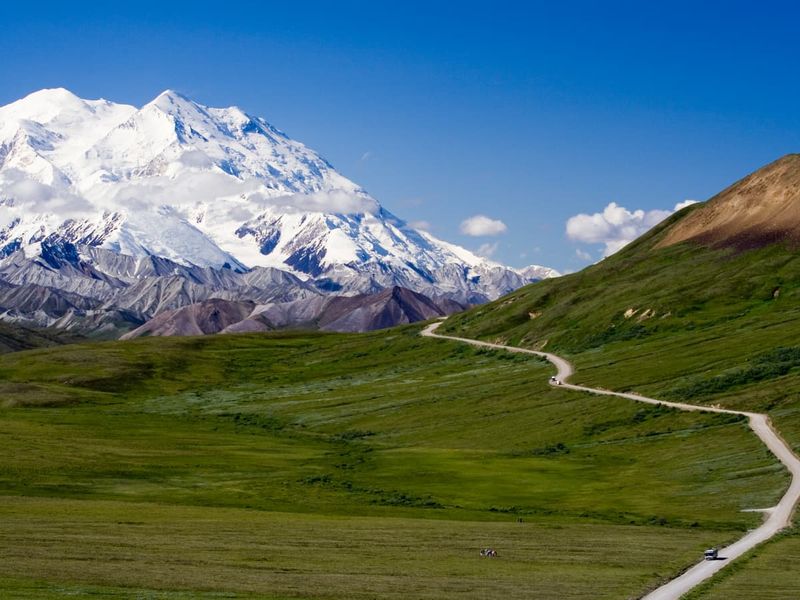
(527, 113)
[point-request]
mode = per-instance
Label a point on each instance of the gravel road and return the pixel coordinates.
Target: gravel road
(778, 517)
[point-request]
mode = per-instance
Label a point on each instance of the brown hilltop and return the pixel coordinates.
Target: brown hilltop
(209, 316)
(761, 209)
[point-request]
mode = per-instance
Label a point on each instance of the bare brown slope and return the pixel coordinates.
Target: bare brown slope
(761, 209)
(210, 316)
(392, 306)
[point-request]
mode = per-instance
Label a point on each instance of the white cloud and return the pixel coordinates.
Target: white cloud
(21, 195)
(684, 204)
(187, 188)
(582, 254)
(423, 225)
(203, 187)
(240, 213)
(334, 201)
(481, 225)
(616, 226)
(197, 159)
(487, 250)
(192, 191)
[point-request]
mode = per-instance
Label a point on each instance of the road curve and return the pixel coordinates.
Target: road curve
(779, 516)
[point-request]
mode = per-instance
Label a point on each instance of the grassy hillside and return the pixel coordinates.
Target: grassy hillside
(683, 322)
(713, 326)
(642, 292)
(14, 338)
(314, 465)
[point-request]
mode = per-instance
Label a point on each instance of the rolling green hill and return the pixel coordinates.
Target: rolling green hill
(14, 338)
(371, 465)
(684, 313)
(688, 321)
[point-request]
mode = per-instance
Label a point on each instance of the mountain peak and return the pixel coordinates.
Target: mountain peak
(58, 94)
(44, 105)
(172, 96)
(761, 209)
(210, 186)
(174, 103)
(182, 107)
(534, 272)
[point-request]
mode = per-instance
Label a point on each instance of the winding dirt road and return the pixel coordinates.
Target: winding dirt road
(779, 516)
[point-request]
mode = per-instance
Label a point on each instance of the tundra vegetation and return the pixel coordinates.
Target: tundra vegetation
(313, 465)
(715, 326)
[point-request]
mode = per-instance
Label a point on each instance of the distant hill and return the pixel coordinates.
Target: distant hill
(364, 312)
(14, 338)
(703, 308)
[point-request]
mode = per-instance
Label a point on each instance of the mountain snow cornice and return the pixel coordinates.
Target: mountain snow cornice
(211, 187)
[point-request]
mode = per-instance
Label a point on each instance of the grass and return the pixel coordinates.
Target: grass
(706, 326)
(329, 465)
(136, 550)
(14, 338)
(739, 365)
(684, 323)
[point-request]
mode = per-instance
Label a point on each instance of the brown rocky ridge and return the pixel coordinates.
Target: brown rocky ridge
(759, 210)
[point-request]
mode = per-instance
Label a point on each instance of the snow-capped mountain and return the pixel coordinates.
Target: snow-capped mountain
(210, 188)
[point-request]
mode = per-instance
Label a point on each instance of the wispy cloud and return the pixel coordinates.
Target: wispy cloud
(487, 250)
(22, 195)
(582, 254)
(423, 225)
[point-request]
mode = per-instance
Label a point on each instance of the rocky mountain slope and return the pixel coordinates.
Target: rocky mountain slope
(98, 198)
(96, 290)
(761, 209)
(363, 312)
(210, 316)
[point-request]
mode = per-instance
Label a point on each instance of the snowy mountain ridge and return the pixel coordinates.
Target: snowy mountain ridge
(212, 187)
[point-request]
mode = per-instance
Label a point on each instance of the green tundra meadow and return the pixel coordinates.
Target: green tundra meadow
(685, 323)
(310, 465)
